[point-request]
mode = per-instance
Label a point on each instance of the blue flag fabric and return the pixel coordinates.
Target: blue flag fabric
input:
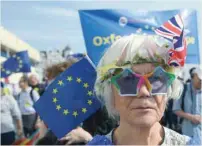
(70, 99)
(103, 27)
(18, 62)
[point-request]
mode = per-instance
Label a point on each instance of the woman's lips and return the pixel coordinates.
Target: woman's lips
(142, 108)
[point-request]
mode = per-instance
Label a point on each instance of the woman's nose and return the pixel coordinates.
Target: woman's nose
(143, 91)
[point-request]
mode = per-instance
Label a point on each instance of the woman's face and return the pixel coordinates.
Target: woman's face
(142, 110)
(22, 84)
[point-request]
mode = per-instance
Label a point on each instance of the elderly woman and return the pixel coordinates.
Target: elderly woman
(136, 82)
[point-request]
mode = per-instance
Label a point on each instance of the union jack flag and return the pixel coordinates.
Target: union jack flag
(173, 30)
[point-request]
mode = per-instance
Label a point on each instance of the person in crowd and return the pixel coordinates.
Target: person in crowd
(136, 81)
(98, 123)
(198, 110)
(187, 107)
(34, 83)
(27, 97)
(8, 89)
(10, 116)
(169, 117)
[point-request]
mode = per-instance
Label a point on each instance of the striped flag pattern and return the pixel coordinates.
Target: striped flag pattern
(173, 30)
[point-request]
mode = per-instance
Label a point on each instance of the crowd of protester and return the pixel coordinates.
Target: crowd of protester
(21, 108)
(184, 115)
(19, 118)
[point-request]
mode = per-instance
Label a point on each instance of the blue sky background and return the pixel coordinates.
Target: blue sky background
(55, 24)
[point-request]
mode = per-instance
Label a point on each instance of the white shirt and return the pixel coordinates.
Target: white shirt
(9, 111)
(170, 138)
(25, 101)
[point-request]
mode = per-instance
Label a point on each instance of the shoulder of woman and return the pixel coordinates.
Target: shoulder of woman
(100, 140)
(174, 138)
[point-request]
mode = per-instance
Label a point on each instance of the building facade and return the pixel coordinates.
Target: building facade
(10, 44)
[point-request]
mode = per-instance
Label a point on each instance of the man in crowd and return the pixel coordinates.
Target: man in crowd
(34, 83)
(26, 100)
(197, 111)
(186, 106)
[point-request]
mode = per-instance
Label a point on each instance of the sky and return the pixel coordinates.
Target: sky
(51, 25)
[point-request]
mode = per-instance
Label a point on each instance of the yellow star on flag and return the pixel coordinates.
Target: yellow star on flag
(20, 61)
(14, 56)
(69, 78)
(55, 99)
(85, 85)
(90, 93)
(58, 107)
(78, 80)
(90, 102)
(84, 110)
(65, 112)
(75, 113)
(55, 91)
(20, 66)
(60, 82)
(18, 58)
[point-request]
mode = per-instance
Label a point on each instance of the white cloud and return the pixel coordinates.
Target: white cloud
(55, 11)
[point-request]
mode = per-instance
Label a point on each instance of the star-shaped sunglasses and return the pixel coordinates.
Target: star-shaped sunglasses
(129, 83)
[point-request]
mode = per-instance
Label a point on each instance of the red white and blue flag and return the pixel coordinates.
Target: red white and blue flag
(173, 30)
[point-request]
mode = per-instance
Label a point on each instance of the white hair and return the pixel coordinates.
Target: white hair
(124, 50)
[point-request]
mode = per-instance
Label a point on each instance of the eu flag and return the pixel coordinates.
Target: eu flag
(70, 99)
(18, 62)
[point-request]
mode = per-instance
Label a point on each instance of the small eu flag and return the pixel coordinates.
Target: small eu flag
(70, 99)
(18, 62)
